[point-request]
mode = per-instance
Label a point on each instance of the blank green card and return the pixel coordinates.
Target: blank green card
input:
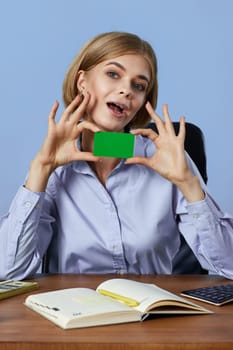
(113, 144)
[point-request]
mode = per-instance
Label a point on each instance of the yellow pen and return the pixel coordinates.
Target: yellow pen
(125, 300)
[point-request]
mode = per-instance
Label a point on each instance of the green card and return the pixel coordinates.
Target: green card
(113, 144)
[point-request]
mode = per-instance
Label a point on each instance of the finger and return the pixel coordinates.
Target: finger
(80, 111)
(87, 156)
(53, 111)
(168, 123)
(158, 121)
(182, 130)
(137, 160)
(88, 125)
(151, 134)
(71, 107)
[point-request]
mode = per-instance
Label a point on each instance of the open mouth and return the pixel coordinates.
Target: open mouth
(116, 108)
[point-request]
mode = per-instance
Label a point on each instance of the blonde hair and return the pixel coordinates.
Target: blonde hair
(106, 46)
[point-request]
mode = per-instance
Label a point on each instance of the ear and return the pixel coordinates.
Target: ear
(81, 81)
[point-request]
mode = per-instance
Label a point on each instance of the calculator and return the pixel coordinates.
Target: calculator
(216, 295)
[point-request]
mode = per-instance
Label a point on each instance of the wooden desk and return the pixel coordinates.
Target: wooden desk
(21, 328)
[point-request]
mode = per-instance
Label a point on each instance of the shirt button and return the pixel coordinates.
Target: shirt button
(27, 204)
(115, 247)
(196, 216)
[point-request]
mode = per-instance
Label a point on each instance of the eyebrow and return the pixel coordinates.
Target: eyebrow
(141, 76)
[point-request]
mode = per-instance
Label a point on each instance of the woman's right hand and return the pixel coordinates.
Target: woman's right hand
(60, 144)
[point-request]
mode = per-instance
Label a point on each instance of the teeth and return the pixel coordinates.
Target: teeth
(121, 108)
(116, 105)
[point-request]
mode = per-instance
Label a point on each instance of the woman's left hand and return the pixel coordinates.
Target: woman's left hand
(169, 159)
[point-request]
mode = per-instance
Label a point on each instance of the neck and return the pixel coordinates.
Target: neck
(104, 166)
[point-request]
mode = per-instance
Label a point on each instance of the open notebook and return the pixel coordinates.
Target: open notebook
(114, 301)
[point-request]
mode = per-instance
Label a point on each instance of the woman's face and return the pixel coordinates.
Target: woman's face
(118, 90)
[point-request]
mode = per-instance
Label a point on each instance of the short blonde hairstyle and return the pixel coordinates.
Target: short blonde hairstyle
(107, 46)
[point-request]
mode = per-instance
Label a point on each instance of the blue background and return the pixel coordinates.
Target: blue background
(194, 45)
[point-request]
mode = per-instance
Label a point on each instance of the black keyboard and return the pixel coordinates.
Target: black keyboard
(217, 295)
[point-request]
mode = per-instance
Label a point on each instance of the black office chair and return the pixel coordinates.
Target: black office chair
(185, 261)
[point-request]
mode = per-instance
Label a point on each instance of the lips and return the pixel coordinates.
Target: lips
(118, 109)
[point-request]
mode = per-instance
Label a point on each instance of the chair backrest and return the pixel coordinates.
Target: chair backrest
(185, 261)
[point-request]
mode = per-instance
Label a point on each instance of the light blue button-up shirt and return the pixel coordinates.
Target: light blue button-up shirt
(132, 225)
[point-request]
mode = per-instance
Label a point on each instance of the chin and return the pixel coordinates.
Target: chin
(110, 127)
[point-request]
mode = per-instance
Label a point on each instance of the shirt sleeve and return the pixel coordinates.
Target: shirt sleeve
(209, 233)
(21, 252)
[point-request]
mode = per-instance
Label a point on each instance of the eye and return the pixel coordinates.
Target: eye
(112, 74)
(139, 87)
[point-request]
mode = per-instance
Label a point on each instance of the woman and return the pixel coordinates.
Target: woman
(111, 215)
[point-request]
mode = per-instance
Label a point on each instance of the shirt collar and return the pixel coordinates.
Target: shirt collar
(139, 150)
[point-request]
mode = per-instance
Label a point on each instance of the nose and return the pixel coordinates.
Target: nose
(125, 88)
(126, 92)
